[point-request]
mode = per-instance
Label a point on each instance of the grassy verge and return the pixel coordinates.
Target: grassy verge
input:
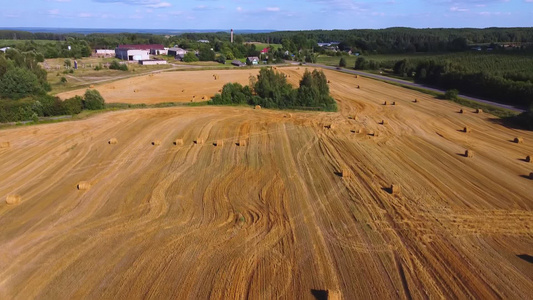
(491, 109)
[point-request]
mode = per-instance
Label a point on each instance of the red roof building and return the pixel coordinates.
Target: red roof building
(264, 50)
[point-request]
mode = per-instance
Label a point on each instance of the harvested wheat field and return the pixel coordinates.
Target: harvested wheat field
(182, 86)
(300, 212)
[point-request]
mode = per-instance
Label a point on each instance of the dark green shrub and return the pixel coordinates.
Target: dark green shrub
(93, 100)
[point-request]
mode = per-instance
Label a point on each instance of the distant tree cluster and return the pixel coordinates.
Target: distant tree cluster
(271, 90)
(21, 75)
(116, 65)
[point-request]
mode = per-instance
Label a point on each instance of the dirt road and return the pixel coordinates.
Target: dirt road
(273, 218)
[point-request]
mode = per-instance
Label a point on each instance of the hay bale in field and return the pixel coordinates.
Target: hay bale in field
(345, 172)
(518, 140)
(83, 185)
(395, 189)
(329, 81)
(13, 199)
(356, 76)
(288, 116)
(358, 131)
(183, 91)
(241, 143)
(205, 97)
(358, 87)
(257, 107)
(218, 143)
(220, 91)
(479, 111)
(528, 158)
(469, 153)
(4, 145)
(385, 103)
(199, 141)
(112, 141)
(383, 122)
(178, 142)
(461, 111)
(393, 102)
(531, 175)
(156, 143)
(91, 86)
(329, 126)
(466, 129)
(416, 101)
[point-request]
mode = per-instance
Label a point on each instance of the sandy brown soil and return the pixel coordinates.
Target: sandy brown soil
(177, 86)
(272, 219)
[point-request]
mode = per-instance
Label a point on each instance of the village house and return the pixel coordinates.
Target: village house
(252, 60)
(136, 52)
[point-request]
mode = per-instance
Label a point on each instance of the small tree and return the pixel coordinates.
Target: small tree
(93, 100)
(18, 83)
(451, 94)
(190, 57)
(68, 63)
(342, 62)
(221, 59)
(63, 80)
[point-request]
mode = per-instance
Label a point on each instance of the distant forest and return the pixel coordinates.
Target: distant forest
(390, 40)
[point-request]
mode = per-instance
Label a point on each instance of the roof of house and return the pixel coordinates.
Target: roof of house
(265, 50)
(237, 63)
(251, 58)
(142, 47)
(176, 49)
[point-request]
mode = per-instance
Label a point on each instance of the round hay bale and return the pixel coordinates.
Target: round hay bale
(178, 142)
(395, 189)
(329, 81)
(112, 141)
(479, 111)
(242, 143)
(383, 122)
(257, 107)
(356, 76)
(461, 111)
(91, 86)
(218, 143)
(358, 131)
(288, 116)
(4, 145)
(205, 98)
(183, 91)
(393, 102)
(518, 140)
(13, 199)
(469, 153)
(385, 103)
(466, 129)
(345, 172)
(198, 141)
(156, 143)
(528, 158)
(83, 185)
(416, 101)
(358, 87)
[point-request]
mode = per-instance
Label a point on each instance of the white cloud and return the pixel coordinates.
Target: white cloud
(272, 9)
(53, 12)
(458, 9)
(85, 15)
(145, 3)
(239, 8)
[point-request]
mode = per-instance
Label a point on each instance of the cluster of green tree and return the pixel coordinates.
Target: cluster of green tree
(78, 48)
(32, 108)
(116, 65)
(21, 75)
(509, 87)
(25, 35)
(271, 90)
(396, 40)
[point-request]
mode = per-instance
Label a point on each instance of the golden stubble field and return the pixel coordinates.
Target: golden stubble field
(271, 217)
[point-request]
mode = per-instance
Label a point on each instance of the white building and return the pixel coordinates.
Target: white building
(104, 52)
(152, 62)
(136, 52)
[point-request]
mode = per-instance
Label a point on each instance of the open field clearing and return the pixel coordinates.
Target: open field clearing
(126, 205)
(168, 86)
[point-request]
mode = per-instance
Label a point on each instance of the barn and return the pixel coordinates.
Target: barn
(136, 52)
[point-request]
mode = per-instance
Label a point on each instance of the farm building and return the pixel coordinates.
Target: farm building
(238, 63)
(136, 52)
(159, 51)
(149, 62)
(252, 60)
(203, 41)
(265, 50)
(104, 52)
(176, 52)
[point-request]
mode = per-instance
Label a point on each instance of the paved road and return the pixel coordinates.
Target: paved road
(380, 77)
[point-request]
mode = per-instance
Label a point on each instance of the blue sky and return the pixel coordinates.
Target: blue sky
(267, 14)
